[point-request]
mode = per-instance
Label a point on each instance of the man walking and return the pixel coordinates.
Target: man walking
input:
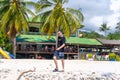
(59, 53)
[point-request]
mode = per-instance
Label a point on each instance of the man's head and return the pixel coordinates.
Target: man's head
(60, 34)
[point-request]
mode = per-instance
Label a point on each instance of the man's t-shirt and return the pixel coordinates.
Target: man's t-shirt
(61, 41)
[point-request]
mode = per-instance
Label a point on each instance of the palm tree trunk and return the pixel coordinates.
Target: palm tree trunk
(13, 40)
(19, 3)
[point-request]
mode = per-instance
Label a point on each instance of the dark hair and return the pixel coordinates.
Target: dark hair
(60, 31)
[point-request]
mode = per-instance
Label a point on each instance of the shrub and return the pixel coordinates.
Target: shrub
(5, 42)
(112, 56)
(82, 56)
(90, 55)
(117, 58)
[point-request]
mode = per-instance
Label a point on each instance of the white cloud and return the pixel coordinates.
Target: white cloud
(100, 16)
(115, 6)
(93, 11)
(96, 21)
(114, 18)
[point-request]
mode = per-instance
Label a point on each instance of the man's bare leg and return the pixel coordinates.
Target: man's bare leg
(62, 60)
(55, 61)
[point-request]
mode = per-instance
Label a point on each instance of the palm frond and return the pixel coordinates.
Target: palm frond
(68, 20)
(66, 26)
(18, 23)
(5, 19)
(24, 21)
(73, 21)
(45, 2)
(28, 11)
(76, 13)
(64, 1)
(25, 13)
(14, 20)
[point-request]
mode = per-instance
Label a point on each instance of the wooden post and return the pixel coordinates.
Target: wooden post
(56, 38)
(78, 52)
(36, 56)
(68, 55)
(14, 47)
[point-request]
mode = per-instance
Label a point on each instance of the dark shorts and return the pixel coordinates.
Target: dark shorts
(59, 55)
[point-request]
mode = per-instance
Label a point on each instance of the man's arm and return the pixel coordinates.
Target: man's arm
(63, 45)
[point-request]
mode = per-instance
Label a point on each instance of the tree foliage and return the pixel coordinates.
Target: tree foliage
(91, 34)
(118, 27)
(114, 36)
(5, 42)
(104, 28)
(14, 17)
(58, 17)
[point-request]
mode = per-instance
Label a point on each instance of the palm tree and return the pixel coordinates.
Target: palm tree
(104, 28)
(4, 6)
(55, 17)
(14, 19)
(118, 27)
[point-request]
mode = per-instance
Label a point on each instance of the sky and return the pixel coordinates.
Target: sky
(97, 12)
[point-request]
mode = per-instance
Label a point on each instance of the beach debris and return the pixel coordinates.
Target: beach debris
(25, 73)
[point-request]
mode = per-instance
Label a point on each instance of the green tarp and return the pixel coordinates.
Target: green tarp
(52, 39)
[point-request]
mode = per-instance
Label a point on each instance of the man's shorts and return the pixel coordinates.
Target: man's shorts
(59, 55)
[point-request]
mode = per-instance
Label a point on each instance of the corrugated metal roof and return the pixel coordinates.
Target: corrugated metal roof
(109, 42)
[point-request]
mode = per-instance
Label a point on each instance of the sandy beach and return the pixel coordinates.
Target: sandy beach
(33, 69)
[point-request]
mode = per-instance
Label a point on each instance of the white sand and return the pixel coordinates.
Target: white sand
(74, 70)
